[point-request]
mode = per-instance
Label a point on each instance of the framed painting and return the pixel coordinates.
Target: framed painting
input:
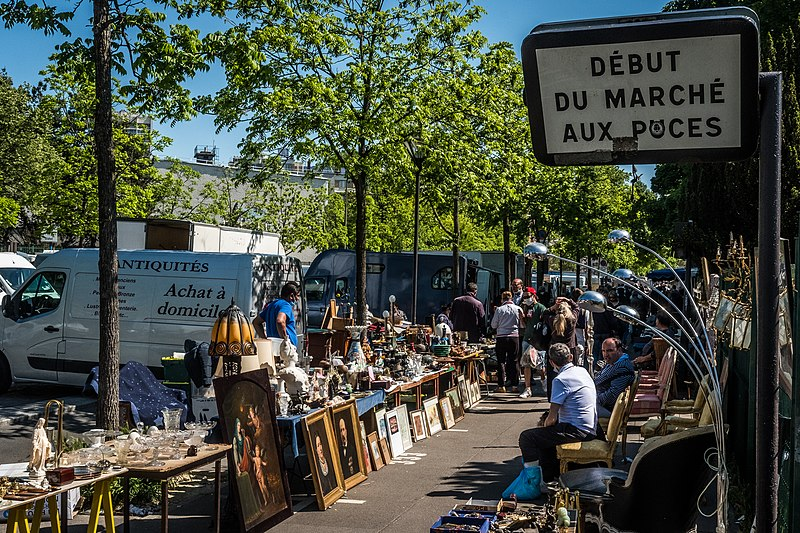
(418, 424)
(463, 391)
(455, 403)
(247, 419)
(380, 422)
(447, 412)
(386, 455)
(365, 447)
(351, 454)
(474, 392)
(431, 406)
(375, 450)
(395, 437)
(323, 458)
(405, 427)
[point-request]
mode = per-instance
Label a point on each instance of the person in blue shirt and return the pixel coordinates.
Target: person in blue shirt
(617, 374)
(277, 317)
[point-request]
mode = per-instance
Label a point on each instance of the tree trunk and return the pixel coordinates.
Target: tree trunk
(507, 252)
(108, 400)
(360, 184)
(456, 244)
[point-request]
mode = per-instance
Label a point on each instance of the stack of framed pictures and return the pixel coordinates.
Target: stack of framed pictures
(336, 453)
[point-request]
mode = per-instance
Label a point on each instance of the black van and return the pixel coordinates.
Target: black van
(332, 275)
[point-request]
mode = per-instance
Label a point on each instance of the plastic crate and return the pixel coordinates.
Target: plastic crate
(175, 370)
(440, 525)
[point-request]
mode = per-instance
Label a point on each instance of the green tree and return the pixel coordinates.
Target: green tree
(116, 28)
(334, 81)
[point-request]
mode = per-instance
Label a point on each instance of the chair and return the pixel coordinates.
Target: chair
(596, 450)
(675, 411)
(660, 492)
(651, 397)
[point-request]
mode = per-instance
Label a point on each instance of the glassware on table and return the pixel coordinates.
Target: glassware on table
(172, 418)
(123, 446)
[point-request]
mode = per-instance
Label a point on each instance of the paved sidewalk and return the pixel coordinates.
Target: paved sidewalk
(25, 402)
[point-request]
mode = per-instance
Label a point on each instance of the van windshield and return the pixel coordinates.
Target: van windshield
(16, 276)
(315, 289)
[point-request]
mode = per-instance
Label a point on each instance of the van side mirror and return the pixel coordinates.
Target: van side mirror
(9, 309)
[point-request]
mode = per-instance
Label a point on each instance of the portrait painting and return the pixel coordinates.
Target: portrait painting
(463, 391)
(395, 438)
(348, 441)
(431, 406)
(418, 424)
(405, 426)
(455, 402)
(323, 458)
(375, 451)
(447, 412)
(247, 418)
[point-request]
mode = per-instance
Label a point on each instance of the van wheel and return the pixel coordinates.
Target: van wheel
(5, 374)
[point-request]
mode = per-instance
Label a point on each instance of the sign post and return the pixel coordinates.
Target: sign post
(672, 87)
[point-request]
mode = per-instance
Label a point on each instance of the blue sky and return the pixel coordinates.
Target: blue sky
(26, 52)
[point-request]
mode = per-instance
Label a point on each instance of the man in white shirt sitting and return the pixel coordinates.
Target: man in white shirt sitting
(572, 416)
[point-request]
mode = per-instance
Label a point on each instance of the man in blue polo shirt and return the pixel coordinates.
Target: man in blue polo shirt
(572, 416)
(277, 317)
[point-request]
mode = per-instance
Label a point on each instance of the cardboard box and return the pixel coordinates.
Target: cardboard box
(481, 523)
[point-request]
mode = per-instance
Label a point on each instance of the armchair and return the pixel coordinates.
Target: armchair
(660, 492)
(650, 399)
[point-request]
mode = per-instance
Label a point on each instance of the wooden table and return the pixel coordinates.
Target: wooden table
(101, 500)
(209, 453)
(415, 387)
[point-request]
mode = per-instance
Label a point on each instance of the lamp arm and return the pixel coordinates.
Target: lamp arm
(713, 389)
(696, 345)
(685, 288)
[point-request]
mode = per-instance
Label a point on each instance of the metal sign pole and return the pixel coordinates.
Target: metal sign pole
(769, 224)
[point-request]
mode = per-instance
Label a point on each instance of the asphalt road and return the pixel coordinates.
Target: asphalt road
(22, 406)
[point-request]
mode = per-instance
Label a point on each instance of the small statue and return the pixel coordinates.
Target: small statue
(296, 378)
(40, 450)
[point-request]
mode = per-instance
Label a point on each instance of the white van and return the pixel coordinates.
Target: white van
(14, 270)
(50, 330)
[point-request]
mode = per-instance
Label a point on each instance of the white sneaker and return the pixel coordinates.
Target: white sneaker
(526, 393)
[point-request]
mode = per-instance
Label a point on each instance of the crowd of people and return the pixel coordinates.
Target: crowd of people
(581, 358)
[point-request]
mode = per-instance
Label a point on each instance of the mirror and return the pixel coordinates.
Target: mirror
(9, 308)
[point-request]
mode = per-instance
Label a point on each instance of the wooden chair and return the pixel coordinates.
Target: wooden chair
(651, 397)
(595, 451)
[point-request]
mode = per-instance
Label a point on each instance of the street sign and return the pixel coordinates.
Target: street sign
(647, 89)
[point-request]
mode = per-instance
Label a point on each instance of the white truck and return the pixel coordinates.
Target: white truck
(50, 326)
(162, 234)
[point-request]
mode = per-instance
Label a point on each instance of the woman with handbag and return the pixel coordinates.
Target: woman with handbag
(561, 317)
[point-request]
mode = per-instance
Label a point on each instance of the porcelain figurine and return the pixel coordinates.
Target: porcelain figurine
(40, 450)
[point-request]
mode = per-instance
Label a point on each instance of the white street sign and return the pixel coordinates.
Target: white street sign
(654, 89)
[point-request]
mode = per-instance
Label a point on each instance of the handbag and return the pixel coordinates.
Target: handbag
(540, 335)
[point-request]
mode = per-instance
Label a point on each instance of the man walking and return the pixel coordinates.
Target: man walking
(507, 321)
(468, 314)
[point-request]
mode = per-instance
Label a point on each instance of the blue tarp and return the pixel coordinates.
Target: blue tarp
(147, 395)
(666, 275)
